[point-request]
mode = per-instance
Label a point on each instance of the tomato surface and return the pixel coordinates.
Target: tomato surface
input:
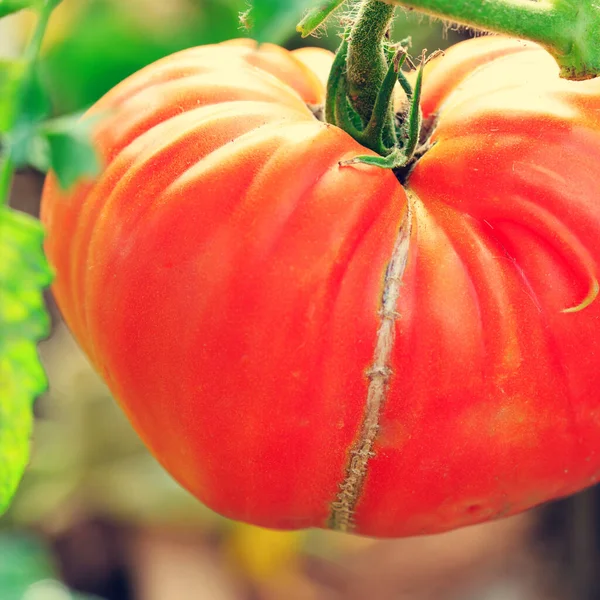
(306, 343)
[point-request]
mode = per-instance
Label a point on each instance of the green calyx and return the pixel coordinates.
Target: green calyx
(360, 90)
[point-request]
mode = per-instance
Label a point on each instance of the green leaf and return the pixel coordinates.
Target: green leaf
(8, 7)
(32, 141)
(38, 153)
(24, 273)
(25, 146)
(275, 20)
(34, 104)
(70, 152)
(23, 105)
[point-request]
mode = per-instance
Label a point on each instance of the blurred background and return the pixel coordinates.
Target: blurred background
(96, 517)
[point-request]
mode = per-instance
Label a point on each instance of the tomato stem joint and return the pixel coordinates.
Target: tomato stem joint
(362, 86)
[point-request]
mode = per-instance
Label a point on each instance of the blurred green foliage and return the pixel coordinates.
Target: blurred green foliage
(27, 138)
(8, 7)
(23, 321)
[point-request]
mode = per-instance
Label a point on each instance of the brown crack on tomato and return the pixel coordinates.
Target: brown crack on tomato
(342, 511)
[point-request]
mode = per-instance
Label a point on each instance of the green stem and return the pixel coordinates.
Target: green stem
(35, 45)
(7, 167)
(360, 89)
(568, 29)
(6, 175)
(367, 65)
(336, 74)
(373, 134)
(317, 16)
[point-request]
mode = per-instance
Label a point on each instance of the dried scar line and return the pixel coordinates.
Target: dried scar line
(378, 374)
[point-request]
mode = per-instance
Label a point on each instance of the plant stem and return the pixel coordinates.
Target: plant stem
(317, 16)
(6, 176)
(7, 167)
(35, 45)
(568, 29)
(367, 65)
(518, 17)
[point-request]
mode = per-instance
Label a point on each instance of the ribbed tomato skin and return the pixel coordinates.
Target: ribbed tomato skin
(495, 403)
(225, 276)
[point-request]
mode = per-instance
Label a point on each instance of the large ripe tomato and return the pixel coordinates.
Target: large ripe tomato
(246, 298)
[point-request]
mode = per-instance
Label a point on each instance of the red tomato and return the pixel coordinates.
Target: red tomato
(246, 298)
